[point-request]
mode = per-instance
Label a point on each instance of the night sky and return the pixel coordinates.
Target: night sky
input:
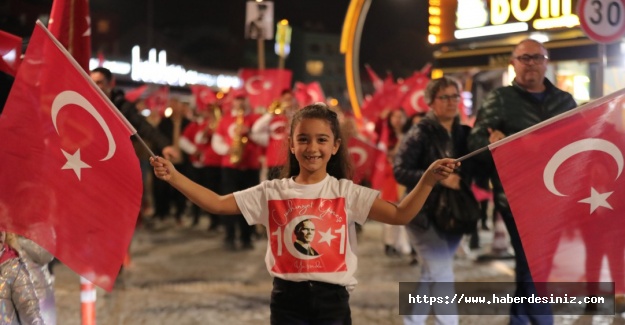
(209, 33)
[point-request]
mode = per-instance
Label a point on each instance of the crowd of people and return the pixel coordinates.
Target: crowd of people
(212, 160)
(412, 145)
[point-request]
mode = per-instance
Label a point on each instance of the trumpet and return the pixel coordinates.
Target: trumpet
(275, 108)
(216, 117)
(239, 140)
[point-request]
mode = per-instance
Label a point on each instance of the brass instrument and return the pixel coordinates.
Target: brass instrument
(239, 140)
(216, 117)
(275, 108)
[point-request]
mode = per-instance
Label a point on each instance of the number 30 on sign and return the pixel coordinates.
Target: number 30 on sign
(602, 20)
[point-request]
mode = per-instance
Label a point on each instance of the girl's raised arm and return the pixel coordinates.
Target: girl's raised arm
(401, 214)
(198, 194)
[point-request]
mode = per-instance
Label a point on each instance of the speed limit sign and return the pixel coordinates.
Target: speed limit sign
(602, 20)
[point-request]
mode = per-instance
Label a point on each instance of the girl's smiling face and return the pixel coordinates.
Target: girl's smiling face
(313, 144)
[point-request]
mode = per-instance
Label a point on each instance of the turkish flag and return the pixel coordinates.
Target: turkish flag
(564, 182)
(204, 96)
(307, 94)
(384, 99)
(412, 94)
(133, 95)
(364, 156)
(70, 23)
(157, 101)
(375, 79)
(71, 180)
(10, 52)
(265, 86)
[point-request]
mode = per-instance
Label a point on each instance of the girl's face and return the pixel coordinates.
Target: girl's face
(445, 104)
(313, 144)
(397, 118)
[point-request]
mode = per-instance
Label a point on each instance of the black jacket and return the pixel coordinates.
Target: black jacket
(423, 144)
(512, 109)
(144, 129)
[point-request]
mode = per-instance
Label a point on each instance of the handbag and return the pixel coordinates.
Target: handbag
(454, 211)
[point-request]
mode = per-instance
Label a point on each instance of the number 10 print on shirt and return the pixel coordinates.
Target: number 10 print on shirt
(308, 235)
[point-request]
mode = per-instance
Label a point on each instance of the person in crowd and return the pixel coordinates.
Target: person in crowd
(483, 195)
(388, 128)
(413, 119)
(271, 131)
(103, 78)
(206, 163)
(36, 260)
(439, 134)
(171, 127)
(19, 302)
(240, 163)
(530, 99)
(315, 185)
(304, 234)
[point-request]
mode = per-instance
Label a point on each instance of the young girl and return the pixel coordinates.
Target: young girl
(314, 188)
(19, 303)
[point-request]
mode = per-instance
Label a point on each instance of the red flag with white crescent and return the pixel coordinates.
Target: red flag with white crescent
(377, 82)
(364, 156)
(70, 23)
(307, 94)
(413, 100)
(204, 96)
(564, 181)
(134, 94)
(10, 52)
(71, 180)
(157, 101)
(264, 86)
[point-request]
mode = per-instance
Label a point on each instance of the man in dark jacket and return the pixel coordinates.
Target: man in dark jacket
(530, 100)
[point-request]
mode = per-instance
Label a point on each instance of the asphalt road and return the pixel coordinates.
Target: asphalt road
(182, 275)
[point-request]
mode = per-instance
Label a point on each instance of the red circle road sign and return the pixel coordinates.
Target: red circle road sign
(602, 20)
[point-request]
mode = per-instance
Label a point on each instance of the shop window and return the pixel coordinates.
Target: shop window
(573, 77)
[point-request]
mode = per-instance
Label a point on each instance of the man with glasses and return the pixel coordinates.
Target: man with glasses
(530, 100)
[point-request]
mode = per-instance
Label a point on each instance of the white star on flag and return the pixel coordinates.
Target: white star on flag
(327, 237)
(74, 162)
(597, 199)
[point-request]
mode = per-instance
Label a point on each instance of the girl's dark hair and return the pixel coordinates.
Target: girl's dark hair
(339, 165)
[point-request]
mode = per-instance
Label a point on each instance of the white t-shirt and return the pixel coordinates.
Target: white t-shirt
(333, 206)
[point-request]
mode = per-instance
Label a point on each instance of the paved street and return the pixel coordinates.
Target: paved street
(181, 275)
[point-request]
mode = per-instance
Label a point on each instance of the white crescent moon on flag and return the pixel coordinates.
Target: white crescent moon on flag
(360, 153)
(71, 97)
(276, 126)
(248, 85)
(288, 238)
(414, 99)
(578, 147)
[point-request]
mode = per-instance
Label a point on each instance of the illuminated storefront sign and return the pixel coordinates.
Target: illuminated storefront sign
(156, 70)
(464, 19)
